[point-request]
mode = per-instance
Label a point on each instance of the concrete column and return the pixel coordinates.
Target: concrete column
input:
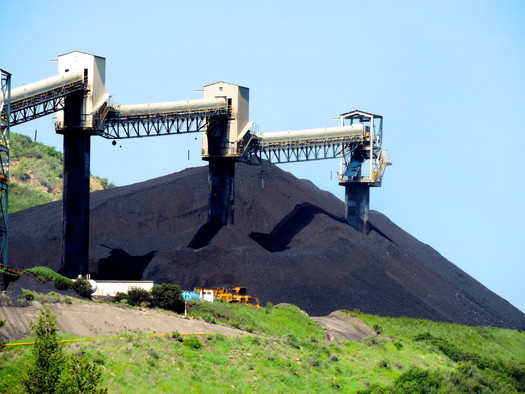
(357, 201)
(75, 199)
(221, 180)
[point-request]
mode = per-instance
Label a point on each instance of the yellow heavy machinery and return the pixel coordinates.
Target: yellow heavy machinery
(230, 294)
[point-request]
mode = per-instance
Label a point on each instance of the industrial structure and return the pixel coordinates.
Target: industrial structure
(78, 94)
(5, 121)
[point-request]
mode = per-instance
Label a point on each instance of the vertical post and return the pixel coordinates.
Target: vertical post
(221, 179)
(357, 201)
(5, 119)
(372, 142)
(75, 210)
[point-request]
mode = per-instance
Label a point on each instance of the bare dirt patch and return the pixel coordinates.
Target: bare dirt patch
(89, 319)
(341, 326)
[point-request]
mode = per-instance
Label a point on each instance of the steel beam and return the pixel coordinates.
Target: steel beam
(116, 127)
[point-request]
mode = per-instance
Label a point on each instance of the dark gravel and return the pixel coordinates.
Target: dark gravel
(289, 244)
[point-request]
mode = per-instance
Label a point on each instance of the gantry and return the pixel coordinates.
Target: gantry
(84, 110)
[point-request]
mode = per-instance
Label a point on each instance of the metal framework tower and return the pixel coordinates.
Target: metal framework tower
(5, 111)
(355, 175)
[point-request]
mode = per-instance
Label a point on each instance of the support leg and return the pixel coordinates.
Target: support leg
(357, 201)
(75, 214)
(221, 179)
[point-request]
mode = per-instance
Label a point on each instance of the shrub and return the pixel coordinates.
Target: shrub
(120, 296)
(176, 335)
(29, 295)
(378, 330)
(83, 287)
(418, 380)
(137, 296)
(192, 342)
(80, 376)
(168, 296)
(62, 283)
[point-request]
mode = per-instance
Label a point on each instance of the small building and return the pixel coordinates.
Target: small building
(105, 288)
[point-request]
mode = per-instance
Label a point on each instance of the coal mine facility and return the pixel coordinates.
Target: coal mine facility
(240, 220)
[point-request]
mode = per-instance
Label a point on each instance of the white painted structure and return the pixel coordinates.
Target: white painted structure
(90, 66)
(172, 107)
(112, 287)
(295, 136)
(54, 82)
(238, 99)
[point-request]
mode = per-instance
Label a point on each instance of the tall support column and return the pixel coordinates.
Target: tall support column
(357, 201)
(75, 210)
(5, 119)
(221, 179)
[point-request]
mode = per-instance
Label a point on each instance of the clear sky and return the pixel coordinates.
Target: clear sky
(448, 77)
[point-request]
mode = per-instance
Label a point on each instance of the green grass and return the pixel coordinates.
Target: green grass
(287, 353)
(45, 274)
(276, 321)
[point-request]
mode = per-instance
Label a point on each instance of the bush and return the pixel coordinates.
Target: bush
(176, 335)
(138, 297)
(192, 342)
(168, 296)
(120, 296)
(62, 283)
(80, 376)
(29, 295)
(83, 287)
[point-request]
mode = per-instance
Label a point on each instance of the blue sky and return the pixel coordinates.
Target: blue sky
(448, 77)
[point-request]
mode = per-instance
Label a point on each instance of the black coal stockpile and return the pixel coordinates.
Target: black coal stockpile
(289, 243)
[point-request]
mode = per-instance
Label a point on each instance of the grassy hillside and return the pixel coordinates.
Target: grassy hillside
(36, 174)
(287, 353)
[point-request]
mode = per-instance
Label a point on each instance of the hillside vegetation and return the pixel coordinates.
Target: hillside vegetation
(36, 174)
(287, 352)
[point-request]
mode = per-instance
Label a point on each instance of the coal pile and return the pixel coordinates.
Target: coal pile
(289, 243)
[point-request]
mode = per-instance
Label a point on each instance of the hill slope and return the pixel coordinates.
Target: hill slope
(36, 174)
(289, 244)
(285, 352)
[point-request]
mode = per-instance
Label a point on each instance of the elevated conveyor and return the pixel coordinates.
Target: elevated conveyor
(44, 97)
(146, 120)
(303, 145)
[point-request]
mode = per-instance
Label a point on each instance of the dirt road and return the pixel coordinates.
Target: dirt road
(86, 319)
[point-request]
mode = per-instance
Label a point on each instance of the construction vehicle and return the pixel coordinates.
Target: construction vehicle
(229, 294)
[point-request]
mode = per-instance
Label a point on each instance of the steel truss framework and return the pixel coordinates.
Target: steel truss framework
(116, 127)
(352, 159)
(42, 104)
(5, 111)
(297, 151)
